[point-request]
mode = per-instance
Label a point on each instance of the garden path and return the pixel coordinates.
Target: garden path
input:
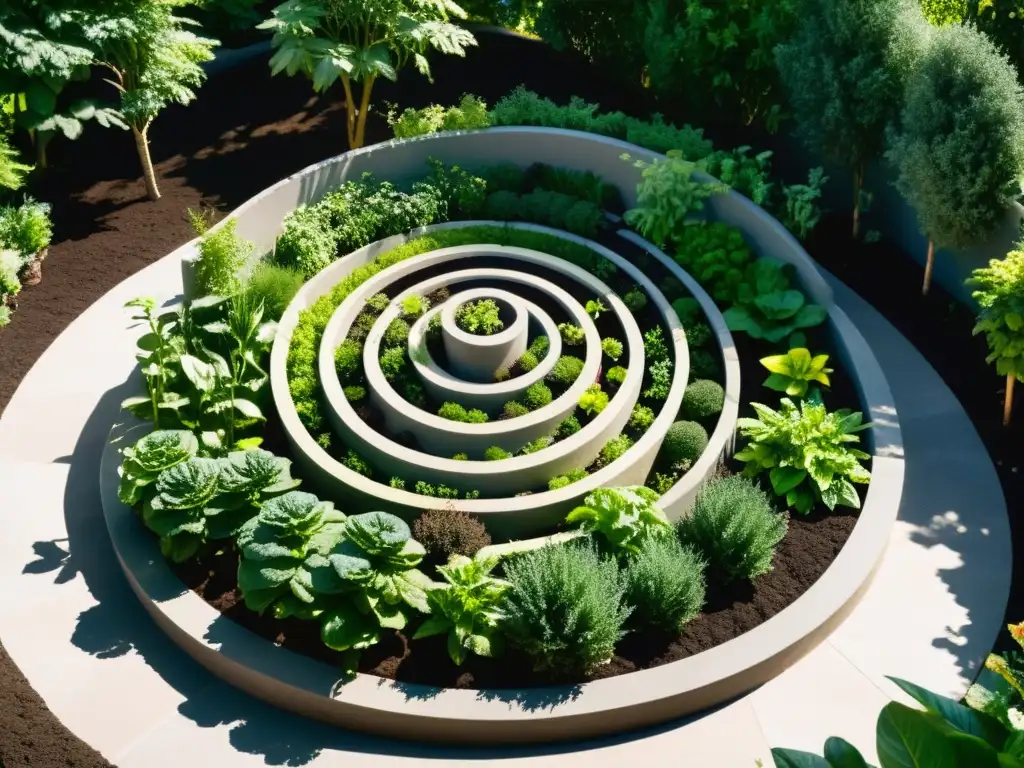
(70, 622)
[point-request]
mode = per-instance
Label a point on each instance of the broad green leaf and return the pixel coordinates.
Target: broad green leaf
(456, 650)
(780, 305)
(909, 738)
(809, 316)
(778, 364)
(434, 625)
(956, 714)
(344, 627)
(1014, 321)
(785, 479)
(842, 754)
(792, 758)
(248, 409)
(201, 374)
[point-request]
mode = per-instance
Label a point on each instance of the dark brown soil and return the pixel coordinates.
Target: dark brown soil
(808, 549)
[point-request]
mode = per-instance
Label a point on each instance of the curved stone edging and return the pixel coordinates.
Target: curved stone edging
(512, 517)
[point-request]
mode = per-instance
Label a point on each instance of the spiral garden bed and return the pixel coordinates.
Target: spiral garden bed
(392, 448)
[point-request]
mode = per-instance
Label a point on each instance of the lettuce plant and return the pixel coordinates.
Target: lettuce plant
(149, 457)
(623, 516)
(805, 450)
(468, 608)
(185, 494)
(248, 479)
(768, 307)
(795, 371)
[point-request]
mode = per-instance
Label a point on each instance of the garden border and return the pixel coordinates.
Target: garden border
(597, 708)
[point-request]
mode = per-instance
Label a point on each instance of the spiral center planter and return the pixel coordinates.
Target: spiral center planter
(476, 357)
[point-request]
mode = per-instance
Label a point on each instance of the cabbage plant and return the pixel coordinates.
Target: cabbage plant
(768, 307)
(149, 457)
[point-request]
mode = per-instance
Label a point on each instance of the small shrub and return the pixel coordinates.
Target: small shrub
(564, 608)
(222, 253)
(461, 457)
(539, 347)
(569, 426)
(616, 375)
(595, 307)
(476, 416)
(697, 335)
(537, 396)
(594, 400)
(354, 393)
(505, 177)
(612, 348)
(514, 409)
(414, 306)
(572, 335)
(661, 380)
(583, 218)
(348, 361)
(504, 373)
(25, 228)
(397, 333)
(414, 393)
(527, 361)
(565, 370)
(307, 242)
(377, 304)
(641, 418)
(735, 527)
(655, 349)
(394, 363)
(536, 445)
(665, 584)
(635, 299)
(704, 365)
(703, 399)
(688, 309)
(502, 206)
(447, 532)
(452, 412)
(685, 441)
(614, 449)
(276, 286)
(570, 477)
(397, 483)
(662, 483)
(479, 317)
(496, 453)
(357, 463)
(470, 114)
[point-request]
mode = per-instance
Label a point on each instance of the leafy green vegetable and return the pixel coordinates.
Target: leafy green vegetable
(716, 255)
(185, 494)
(804, 449)
(767, 307)
(794, 371)
(151, 455)
(623, 516)
(468, 608)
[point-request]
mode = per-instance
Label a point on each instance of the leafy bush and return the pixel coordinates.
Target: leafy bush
(795, 371)
(537, 395)
(569, 426)
(734, 527)
(514, 409)
(377, 303)
(614, 449)
(505, 177)
(527, 361)
(354, 394)
(703, 399)
(664, 584)
(688, 310)
(11, 263)
(26, 228)
(456, 412)
(572, 335)
(222, 253)
(804, 449)
(151, 455)
(635, 299)
(661, 380)
(667, 195)
(959, 149)
(564, 608)
(1000, 296)
(479, 317)
(570, 477)
(502, 206)
(276, 286)
(802, 210)
(685, 441)
(565, 370)
(539, 347)
(655, 348)
(641, 418)
(357, 463)
(845, 70)
(704, 365)
(716, 255)
(616, 375)
(460, 194)
(394, 363)
(768, 307)
(468, 609)
(470, 114)
(414, 393)
(534, 446)
(306, 243)
(397, 333)
(624, 517)
(496, 453)
(447, 532)
(594, 400)
(413, 306)
(612, 348)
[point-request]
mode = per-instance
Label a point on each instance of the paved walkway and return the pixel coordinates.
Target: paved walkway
(69, 620)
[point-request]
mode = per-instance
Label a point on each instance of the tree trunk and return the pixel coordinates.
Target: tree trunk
(928, 268)
(1008, 402)
(142, 146)
(350, 112)
(364, 112)
(858, 185)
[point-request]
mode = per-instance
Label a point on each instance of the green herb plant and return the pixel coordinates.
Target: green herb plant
(479, 317)
(796, 371)
(768, 307)
(623, 517)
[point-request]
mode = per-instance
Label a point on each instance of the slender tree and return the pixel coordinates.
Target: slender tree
(156, 61)
(358, 41)
(1000, 297)
(845, 71)
(959, 147)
